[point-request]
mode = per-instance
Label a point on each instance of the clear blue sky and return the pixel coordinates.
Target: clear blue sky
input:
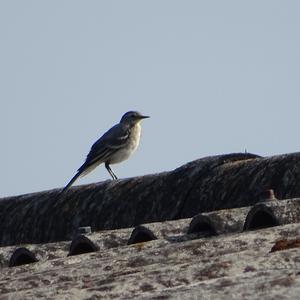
(215, 76)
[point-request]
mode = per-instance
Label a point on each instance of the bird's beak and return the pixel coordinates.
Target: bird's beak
(144, 117)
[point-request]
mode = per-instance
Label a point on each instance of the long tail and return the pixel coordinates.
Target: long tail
(71, 182)
(82, 171)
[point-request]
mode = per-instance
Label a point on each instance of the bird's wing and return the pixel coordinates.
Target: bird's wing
(112, 141)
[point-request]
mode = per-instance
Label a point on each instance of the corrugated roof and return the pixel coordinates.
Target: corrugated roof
(249, 252)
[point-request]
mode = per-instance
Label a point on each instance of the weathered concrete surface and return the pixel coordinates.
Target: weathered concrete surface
(223, 221)
(211, 183)
(275, 212)
(42, 252)
(236, 266)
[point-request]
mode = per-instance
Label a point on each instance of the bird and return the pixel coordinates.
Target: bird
(114, 146)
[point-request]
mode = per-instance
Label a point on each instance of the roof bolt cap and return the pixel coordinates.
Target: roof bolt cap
(85, 230)
(267, 195)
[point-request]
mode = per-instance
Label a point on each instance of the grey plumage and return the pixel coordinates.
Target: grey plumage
(114, 146)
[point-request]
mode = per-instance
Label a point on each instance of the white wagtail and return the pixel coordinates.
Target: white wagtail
(114, 146)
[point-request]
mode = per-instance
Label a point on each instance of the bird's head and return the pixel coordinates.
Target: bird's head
(132, 117)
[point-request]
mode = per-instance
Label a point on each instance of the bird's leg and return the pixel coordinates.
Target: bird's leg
(112, 174)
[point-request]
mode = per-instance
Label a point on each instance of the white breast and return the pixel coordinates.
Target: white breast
(132, 145)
